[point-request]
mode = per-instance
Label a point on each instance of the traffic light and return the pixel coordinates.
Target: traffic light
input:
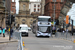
(67, 19)
(12, 18)
(8, 21)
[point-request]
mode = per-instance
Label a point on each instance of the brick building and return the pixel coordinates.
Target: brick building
(49, 7)
(13, 7)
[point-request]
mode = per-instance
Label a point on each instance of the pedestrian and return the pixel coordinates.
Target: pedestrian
(0, 31)
(11, 32)
(3, 32)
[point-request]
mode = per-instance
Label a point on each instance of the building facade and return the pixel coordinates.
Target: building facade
(24, 16)
(64, 11)
(35, 7)
(2, 14)
(49, 7)
(13, 6)
(42, 6)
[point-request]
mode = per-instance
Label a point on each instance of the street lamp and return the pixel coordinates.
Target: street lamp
(5, 13)
(54, 13)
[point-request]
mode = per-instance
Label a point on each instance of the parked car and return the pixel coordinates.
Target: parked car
(29, 28)
(24, 29)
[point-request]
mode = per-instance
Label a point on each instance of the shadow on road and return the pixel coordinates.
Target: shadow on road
(43, 37)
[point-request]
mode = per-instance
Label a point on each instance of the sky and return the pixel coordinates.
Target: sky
(17, 5)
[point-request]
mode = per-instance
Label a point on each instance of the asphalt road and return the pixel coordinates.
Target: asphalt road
(44, 43)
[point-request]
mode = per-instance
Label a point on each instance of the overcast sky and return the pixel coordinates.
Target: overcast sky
(17, 5)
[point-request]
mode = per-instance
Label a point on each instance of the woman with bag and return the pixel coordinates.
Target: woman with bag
(0, 31)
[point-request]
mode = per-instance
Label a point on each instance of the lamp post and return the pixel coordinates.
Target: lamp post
(54, 13)
(5, 13)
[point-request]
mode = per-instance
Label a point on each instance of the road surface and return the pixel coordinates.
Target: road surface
(45, 43)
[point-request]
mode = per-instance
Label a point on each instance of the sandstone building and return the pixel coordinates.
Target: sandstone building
(24, 16)
(2, 14)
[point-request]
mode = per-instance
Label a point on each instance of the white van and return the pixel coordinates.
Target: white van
(24, 29)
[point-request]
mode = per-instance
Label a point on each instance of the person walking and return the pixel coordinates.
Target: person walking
(3, 32)
(0, 31)
(11, 32)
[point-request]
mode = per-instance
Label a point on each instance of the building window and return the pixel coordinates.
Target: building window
(38, 5)
(13, 7)
(23, 19)
(54, 7)
(34, 10)
(31, 19)
(12, 10)
(34, 5)
(48, 8)
(24, 7)
(38, 9)
(62, 0)
(54, 0)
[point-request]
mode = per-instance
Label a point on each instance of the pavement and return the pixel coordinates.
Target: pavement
(5, 44)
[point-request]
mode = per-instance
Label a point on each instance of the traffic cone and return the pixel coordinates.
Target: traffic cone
(23, 43)
(74, 41)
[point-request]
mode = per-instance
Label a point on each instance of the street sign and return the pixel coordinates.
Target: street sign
(67, 19)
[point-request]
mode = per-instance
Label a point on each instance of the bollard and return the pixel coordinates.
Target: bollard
(23, 43)
(74, 41)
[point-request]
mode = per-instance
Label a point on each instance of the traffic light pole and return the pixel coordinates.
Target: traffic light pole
(72, 28)
(10, 29)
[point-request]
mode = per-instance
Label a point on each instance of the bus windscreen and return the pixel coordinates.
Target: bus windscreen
(45, 29)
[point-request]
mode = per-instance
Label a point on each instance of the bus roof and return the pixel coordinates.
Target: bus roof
(44, 17)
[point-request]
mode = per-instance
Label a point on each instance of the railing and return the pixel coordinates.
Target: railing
(65, 35)
(17, 35)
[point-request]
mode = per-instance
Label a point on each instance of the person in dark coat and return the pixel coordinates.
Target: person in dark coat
(3, 32)
(11, 32)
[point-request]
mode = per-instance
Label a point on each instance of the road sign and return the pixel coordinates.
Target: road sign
(67, 19)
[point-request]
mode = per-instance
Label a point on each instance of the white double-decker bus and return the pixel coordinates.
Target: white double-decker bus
(42, 26)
